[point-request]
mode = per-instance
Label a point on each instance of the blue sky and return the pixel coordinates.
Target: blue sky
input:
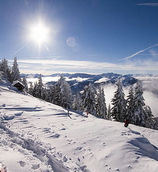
(91, 36)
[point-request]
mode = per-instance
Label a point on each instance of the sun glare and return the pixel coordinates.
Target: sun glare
(39, 33)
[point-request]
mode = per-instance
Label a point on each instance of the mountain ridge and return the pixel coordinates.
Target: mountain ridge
(78, 81)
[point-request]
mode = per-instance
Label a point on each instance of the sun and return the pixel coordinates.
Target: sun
(39, 33)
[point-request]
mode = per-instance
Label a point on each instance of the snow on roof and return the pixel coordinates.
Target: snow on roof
(16, 82)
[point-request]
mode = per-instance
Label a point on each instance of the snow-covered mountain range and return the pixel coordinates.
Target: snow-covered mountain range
(77, 81)
(36, 136)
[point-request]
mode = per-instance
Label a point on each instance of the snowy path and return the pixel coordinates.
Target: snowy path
(41, 153)
(41, 137)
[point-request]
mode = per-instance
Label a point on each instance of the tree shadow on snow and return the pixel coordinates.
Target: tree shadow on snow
(28, 109)
(62, 115)
(80, 113)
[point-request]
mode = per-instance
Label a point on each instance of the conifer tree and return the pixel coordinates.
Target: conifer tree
(4, 66)
(89, 99)
(31, 88)
(101, 110)
(55, 94)
(24, 81)
(39, 89)
(5, 69)
(149, 122)
(46, 95)
(34, 91)
(15, 71)
(139, 112)
(118, 111)
(8, 74)
(51, 93)
(77, 102)
(130, 105)
(65, 99)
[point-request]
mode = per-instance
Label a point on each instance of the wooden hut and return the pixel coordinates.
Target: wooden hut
(19, 85)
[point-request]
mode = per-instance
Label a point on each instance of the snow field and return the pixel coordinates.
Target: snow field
(41, 137)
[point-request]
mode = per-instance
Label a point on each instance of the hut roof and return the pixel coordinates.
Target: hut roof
(19, 85)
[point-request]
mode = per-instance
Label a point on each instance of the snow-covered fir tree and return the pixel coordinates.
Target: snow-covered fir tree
(40, 87)
(143, 114)
(130, 106)
(24, 81)
(51, 93)
(34, 91)
(15, 74)
(65, 93)
(149, 122)
(46, 94)
(6, 71)
(139, 113)
(77, 102)
(118, 111)
(55, 94)
(89, 99)
(101, 109)
(4, 66)
(31, 88)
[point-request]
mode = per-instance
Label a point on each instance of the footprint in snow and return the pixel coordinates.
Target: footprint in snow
(55, 135)
(22, 163)
(18, 114)
(24, 121)
(65, 159)
(79, 148)
(125, 134)
(60, 154)
(35, 166)
(63, 129)
(46, 130)
(129, 167)
(8, 117)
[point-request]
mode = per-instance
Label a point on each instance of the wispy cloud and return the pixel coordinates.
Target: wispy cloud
(63, 66)
(153, 53)
(149, 4)
(141, 51)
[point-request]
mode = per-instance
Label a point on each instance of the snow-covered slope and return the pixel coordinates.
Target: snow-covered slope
(36, 136)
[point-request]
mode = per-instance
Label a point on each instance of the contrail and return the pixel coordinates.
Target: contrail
(19, 49)
(133, 55)
(149, 4)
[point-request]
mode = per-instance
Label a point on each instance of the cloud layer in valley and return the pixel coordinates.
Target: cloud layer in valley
(151, 98)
